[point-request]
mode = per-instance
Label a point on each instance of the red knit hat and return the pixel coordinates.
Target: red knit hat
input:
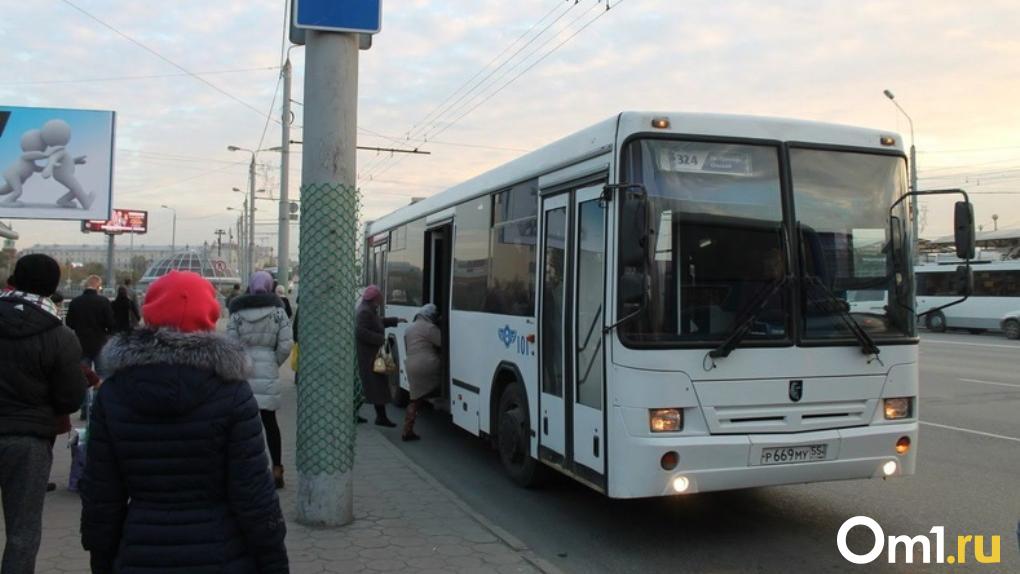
(183, 301)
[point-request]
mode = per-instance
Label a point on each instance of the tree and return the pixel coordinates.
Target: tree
(7, 259)
(139, 265)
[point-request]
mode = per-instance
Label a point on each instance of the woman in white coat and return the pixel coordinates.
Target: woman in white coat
(259, 322)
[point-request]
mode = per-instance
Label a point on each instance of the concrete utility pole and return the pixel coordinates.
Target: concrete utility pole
(250, 211)
(173, 233)
(111, 277)
(219, 241)
(251, 215)
(283, 237)
(329, 239)
(240, 253)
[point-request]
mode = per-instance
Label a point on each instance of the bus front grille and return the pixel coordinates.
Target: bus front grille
(794, 417)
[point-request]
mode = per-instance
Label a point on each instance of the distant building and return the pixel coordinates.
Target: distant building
(998, 244)
(85, 254)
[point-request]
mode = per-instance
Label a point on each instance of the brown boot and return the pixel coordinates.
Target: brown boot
(409, 418)
(278, 476)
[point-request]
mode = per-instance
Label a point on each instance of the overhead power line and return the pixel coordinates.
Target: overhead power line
(535, 63)
(422, 125)
(415, 151)
(531, 66)
(488, 65)
(145, 77)
(279, 77)
(162, 57)
(397, 140)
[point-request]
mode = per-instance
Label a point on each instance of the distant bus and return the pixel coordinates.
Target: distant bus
(657, 304)
(995, 299)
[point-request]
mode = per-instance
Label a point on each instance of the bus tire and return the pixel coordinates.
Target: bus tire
(936, 322)
(1011, 328)
(513, 440)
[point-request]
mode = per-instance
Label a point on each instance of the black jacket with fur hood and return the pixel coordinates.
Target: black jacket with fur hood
(177, 478)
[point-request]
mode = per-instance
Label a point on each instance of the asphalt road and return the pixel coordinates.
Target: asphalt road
(968, 480)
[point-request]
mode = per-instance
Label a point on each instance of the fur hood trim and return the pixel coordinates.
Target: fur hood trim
(249, 301)
(207, 351)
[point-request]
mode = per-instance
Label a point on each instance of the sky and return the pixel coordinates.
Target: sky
(434, 73)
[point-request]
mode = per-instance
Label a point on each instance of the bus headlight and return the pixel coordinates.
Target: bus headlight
(898, 408)
(666, 420)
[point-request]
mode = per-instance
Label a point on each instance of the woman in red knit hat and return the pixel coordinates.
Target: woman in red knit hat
(177, 477)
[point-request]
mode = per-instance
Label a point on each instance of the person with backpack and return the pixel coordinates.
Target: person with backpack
(259, 322)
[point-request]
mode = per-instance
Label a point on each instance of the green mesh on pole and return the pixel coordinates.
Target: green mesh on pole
(328, 363)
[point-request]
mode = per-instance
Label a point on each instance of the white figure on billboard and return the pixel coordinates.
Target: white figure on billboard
(24, 167)
(56, 134)
(49, 144)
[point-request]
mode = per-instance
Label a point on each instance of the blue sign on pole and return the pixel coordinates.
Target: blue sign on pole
(364, 16)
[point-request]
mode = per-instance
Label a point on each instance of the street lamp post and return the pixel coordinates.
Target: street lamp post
(173, 236)
(250, 239)
(242, 234)
(283, 239)
(913, 171)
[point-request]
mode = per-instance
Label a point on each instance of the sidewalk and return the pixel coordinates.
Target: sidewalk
(405, 521)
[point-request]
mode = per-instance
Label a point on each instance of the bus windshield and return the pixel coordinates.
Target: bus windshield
(847, 241)
(718, 242)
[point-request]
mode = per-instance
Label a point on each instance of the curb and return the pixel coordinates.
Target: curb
(510, 540)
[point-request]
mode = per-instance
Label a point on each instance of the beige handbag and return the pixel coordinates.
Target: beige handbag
(384, 363)
(379, 365)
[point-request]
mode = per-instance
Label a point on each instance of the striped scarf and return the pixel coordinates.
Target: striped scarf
(44, 303)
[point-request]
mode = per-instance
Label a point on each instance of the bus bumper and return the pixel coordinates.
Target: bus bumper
(726, 462)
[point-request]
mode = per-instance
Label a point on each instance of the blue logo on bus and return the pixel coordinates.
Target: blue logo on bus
(508, 336)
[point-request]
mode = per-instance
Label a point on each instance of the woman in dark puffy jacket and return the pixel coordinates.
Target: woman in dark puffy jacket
(177, 479)
(125, 311)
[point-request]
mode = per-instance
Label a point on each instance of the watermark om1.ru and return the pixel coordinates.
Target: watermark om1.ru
(984, 550)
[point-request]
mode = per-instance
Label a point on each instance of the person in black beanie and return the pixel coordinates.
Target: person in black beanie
(40, 380)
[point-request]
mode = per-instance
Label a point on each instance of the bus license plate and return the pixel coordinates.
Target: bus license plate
(793, 454)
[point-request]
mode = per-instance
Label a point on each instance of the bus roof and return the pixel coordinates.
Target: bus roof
(601, 138)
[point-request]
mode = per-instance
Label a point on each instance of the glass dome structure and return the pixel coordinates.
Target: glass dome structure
(217, 271)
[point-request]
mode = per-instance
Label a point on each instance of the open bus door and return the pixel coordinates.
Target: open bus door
(438, 255)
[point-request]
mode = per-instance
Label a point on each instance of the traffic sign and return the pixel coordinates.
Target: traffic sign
(364, 16)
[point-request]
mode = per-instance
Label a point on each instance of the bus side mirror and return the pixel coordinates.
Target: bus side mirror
(634, 226)
(633, 285)
(963, 223)
(634, 249)
(963, 280)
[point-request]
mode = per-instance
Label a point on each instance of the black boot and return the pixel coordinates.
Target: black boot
(381, 419)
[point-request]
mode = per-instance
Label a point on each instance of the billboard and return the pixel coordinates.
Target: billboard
(122, 221)
(55, 163)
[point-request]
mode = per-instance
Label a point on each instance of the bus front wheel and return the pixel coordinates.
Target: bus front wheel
(1012, 329)
(513, 437)
(936, 322)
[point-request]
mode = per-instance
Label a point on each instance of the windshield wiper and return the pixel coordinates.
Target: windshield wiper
(745, 323)
(841, 308)
(837, 305)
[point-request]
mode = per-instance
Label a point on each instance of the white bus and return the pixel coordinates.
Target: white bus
(993, 306)
(657, 304)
